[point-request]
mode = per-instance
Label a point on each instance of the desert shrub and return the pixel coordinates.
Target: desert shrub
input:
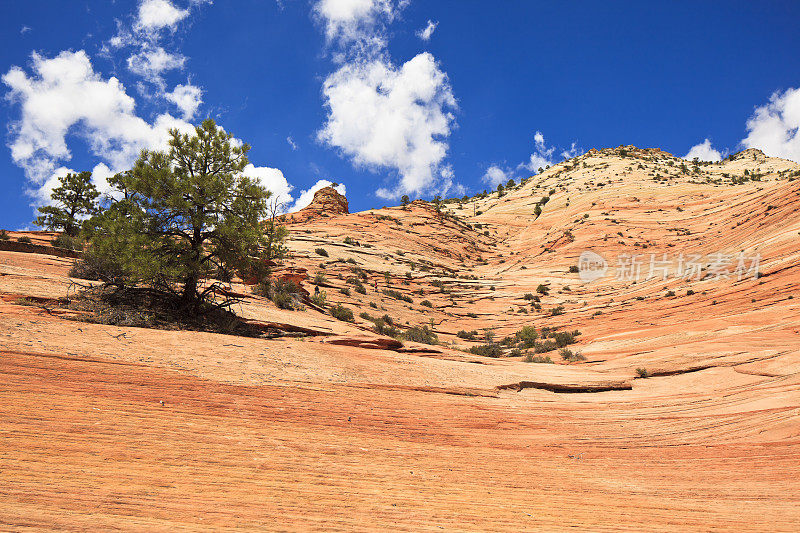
(4, 235)
(321, 251)
(486, 350)
(397, 295)
(98, 267)
(467, 335)
(545, 346)
(359, 288)
(564, 338)
(542, 289)
(689, 292)
(345, 291)
(574, 269)
(642, 373)
(421, 334)
(25, 239)
(426, 303)
(320, 278)
(528, 296)
(538, 359)
(569, 355)
(526, 337)
(65, 241)
(670, 293)
(319, 298)
(383, 328)
(373, 305)
(283, 293)
(342, 313)
(555, 311)
(472, 315)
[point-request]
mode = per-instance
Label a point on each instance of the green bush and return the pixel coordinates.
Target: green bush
(345, 291)
(426, 303)
(538, 359)
(397, 295)
(542, 289)
(342, 313)
(284, 294)
(467, 335)
(526, 337)
(4, 235)
(642, 373)
(322, 251)
(574, 269)
(320, 278)
(25, 239)
(421, 334)
(65, 241)
(569, 355)
(319, 298)
(486, 350)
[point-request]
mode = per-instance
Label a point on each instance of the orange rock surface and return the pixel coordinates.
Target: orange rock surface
(107, 427)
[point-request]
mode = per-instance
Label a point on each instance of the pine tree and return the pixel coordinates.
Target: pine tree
(188, 214)
(75, 198)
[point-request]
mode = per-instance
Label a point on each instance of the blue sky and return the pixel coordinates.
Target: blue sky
(354, 91)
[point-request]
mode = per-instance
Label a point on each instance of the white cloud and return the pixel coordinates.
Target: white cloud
(155, 15)
(307, 195)
(426, 32)
(349, 21)
(774, 127)
(382, 116)
(291, 142)
(542, 156)
(495, 175)
(272, 179)
(187, 98)
(703, 152)
(24, 30)
(151, 63)
(64, 97)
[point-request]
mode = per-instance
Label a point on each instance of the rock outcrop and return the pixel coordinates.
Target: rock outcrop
(327, 202)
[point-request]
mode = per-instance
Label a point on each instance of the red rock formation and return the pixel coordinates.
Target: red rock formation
(327, 202)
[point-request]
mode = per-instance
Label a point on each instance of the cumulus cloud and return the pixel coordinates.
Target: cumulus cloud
(495, 175)
(151, 63)
(542, 156)
(426, 32)
(380, 115)
(155, 15)
(357, 21)
(307, 195)
(65, 96)
(704, 152)
(272, 179)
(774, 127)
(187, 98)
(142, 36)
